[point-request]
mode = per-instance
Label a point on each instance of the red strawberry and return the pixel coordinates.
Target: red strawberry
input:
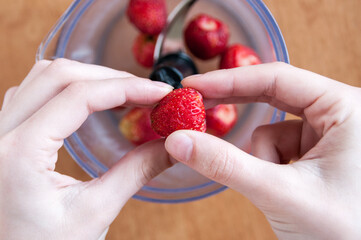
(143, 49)
(239, 55)
(221, 119)
(149, 16)
(206, 37)
(181, 109)
(135, 126)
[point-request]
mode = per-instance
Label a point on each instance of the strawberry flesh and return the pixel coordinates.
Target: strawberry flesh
(181, 109)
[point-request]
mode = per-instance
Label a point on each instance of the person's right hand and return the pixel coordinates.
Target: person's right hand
(316, 197)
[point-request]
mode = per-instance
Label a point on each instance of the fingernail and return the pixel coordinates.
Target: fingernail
(163, 85)
(180, 146)
(194, 76)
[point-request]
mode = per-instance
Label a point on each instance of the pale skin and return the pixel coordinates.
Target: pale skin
(52, 102)
(315, 197)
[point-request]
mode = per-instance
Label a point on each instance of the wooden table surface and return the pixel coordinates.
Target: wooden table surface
(323, 36)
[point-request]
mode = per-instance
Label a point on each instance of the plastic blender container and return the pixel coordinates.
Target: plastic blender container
(98, 32)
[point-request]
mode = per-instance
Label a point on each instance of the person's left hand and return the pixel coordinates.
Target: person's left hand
(50, 104)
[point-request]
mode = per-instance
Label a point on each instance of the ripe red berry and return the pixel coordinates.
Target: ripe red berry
(181, 109)
(239, 55)
(221, 119)
(149, 16)
(206, 37)
(143, 49)
(135, 126)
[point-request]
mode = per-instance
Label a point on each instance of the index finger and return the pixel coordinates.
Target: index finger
(283, 86)
(67, 111)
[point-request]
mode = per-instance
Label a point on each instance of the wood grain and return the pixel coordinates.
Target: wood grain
(321, 35)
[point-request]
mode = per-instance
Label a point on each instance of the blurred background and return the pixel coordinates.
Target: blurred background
(323, 36)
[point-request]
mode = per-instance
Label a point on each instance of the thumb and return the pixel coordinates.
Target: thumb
(108, 193)
(228, 165)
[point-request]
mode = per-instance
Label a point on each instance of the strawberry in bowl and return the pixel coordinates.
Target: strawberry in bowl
(238, 55)
(206, 37)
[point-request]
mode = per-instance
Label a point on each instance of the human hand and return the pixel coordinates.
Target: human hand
(50, 104)
(316, 197)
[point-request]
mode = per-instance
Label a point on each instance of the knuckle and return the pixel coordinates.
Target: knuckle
(146, 173)
(62, 66)
(221, 167)
(78, 89)
(259, 133)
(11, 90)
(279, 65)
(270, 90)
(41, 63)
(233, 82)
(80, 94)
(279, 68)
(62, 63)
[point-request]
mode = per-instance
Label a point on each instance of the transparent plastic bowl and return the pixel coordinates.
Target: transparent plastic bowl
(98, 32)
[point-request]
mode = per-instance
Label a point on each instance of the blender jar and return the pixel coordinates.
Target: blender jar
(98, 32)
